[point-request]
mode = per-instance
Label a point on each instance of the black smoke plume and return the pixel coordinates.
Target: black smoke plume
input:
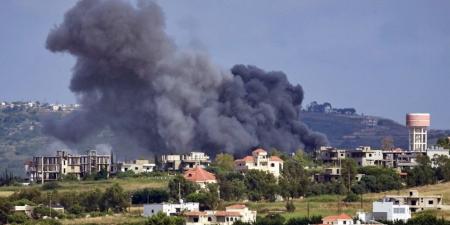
(131, 78)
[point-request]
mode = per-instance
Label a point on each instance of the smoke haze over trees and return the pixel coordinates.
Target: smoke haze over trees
(131, 78)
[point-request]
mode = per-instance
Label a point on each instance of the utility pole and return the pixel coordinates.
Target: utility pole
(179, 191)
(361, 202)
(307, 208)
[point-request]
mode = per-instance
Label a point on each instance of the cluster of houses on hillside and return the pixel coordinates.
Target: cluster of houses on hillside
(36, 105)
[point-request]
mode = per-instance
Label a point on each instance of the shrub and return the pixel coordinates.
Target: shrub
(351, 197)
(50, 186)
(290, 207)
(41, 211)
(18, 217)
(69, 177)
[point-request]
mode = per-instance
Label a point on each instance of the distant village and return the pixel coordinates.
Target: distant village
(194, 168)
(38, 106)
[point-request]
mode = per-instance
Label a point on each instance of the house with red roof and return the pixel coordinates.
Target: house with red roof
(341, 219)
(200, 176)
(260, 160)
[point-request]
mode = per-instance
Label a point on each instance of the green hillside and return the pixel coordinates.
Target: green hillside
(21, 134)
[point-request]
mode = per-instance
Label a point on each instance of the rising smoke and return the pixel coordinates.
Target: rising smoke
(131, 78)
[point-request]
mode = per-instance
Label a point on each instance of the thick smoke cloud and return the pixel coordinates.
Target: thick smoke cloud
(131, 78)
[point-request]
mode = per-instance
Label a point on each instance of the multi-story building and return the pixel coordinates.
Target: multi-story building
(259, 160)
(229, 216)
(48, 168)
(415, 201)
(331, 155)
(366, 156)
(183, 161)
(137, 166)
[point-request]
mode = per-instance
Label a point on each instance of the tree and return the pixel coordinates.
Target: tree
(148, 195)
(224, 161)
(91, 200)
(179, 185)
(348, 172)
(232, 186)
(208, 198)
(294, 179)
(5, 209)
(387, 143)
(444, 142)
(422, 173)
(114, 198)
(260, 185)
(163, 219)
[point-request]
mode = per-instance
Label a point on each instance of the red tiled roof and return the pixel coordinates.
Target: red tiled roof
(342, 216)
(275, 158)
(259, 150)
(246, 159)
(195, 213)
(198, 174)
(236, 206)
(226, 213)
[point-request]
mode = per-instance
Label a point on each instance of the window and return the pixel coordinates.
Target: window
(430, 202)
(399, 210)
(345, 222)
(272, 164)
(209, 219)
(195, 219)
(135, 168)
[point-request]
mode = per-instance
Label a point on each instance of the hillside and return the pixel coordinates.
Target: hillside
(349, 131)
(21, 134)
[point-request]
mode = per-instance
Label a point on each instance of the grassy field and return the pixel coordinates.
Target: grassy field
(319, 205)
(114, 219)
(329, 204)
(129, 184)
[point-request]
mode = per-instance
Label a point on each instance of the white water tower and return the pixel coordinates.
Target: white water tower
(418, 124)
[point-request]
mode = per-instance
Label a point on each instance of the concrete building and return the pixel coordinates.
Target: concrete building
(229, 216)
(259, 160)
(389, 211)
(418, 124)
(49, 168)
(137, 166)
(170, 209)
(183, 162)
(200, 176)
(331, 155)
(366, 156)
(415, 201)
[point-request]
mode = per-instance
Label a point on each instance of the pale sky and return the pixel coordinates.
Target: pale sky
(382, 57)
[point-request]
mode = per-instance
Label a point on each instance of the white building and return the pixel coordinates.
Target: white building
(170, 208)
(259, 160)
(228, 217)
(137, 166)
(388, 211)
